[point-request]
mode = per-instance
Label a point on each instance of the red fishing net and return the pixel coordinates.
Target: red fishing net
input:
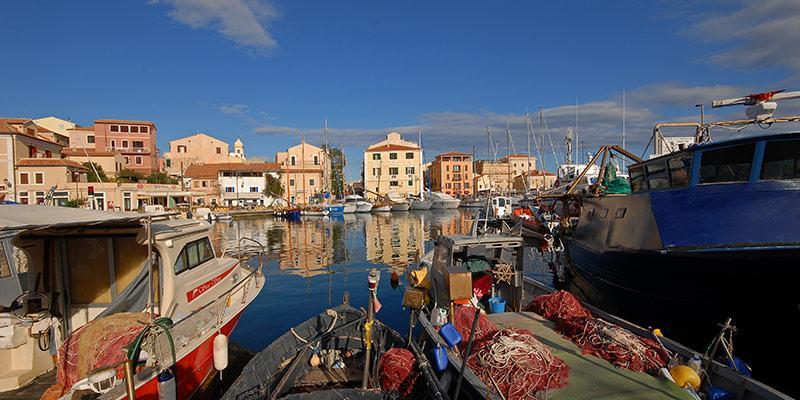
(598, 337)
(397, 371)
(99, 343)
(510, 362)
(557, 306)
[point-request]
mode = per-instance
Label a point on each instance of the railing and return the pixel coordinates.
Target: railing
(141, 150)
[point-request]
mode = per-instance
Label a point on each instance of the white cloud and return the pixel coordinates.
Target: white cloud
(758, 34)
(243, 22)
(236, 109)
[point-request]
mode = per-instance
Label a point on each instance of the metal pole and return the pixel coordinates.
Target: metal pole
(373, 279)
(467, 353)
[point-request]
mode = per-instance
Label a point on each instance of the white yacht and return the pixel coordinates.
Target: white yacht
(440, 200)
(362, 205)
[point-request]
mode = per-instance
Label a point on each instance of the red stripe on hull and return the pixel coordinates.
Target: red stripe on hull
(193, 368)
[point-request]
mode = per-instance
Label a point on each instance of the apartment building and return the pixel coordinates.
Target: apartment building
(499, 175)
(392, 165)
(200, 148)
(243, 184)
(134, 140)
(305, 172)
(452, 173)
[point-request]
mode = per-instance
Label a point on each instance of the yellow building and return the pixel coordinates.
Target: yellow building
(499, 175)
(392, 165)
(305, 171)
(199, 148)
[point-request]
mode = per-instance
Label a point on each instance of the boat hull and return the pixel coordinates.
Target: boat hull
(401, 207)
(364, 208)
(349, 208)
(380, 209)
(421, 205)
(335, 209)
(687, 293)
(445, 204)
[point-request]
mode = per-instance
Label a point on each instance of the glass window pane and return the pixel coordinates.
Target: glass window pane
(192, 256)
(206, 251)
(180, 263)
(657, 177)
(731, 164)
(781, 160)
(637, 179)
(680, 170)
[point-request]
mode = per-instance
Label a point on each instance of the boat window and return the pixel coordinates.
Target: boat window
(781, 160)
(501, 202)
(679, 170)
(637, 179)
(620, 213)
(603, 213)
(657, 175)
(5, 269)
(194, 254)
(731, 164)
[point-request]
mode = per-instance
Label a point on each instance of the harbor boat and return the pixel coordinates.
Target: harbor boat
(710, 227)
(381, 207)
(419, 203)
(341, 353)
(440, 200)
(336, 209)
(349, 208)
(500, 207)
(84, 284)
(292, 214)
(482, 305)
(315, 211)
(398, 202)
(473, 203)
(362, 206)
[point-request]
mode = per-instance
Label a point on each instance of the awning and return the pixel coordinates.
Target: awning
(18, 216)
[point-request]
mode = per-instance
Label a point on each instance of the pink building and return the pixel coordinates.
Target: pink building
(135, 140)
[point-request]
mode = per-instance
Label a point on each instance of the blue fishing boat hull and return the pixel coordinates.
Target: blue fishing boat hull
(335, 209)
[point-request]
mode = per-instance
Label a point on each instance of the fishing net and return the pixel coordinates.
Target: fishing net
(557, 306)
(99, 343)
(613, 343)
(508, 361)
(511, 362)
(397, 371)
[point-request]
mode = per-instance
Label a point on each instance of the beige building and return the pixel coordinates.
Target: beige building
(392, 165)
(22, 140)
(537, 179)
(499, 176)
(56, 125)
(305, 171)
(451, 173)
(200, 148)
(110, 161)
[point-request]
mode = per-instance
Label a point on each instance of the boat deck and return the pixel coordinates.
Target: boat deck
(589, 377)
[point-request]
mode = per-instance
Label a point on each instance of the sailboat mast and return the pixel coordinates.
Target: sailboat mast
(303, 165)
(421, 164)
(508, 158)
(326, 157)
(528, 168)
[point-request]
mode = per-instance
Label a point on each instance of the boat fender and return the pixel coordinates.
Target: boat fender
(166, 385)
(220, 352)
(314, 361)
(685, 377)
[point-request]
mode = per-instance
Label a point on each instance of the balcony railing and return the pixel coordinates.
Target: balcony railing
(138, 150)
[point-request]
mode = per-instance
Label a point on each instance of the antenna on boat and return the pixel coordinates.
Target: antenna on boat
(761, 105)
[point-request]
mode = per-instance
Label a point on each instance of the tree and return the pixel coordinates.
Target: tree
(161, 177)
(273, 186)
(95, 177)
(128, 176)
(337, 170)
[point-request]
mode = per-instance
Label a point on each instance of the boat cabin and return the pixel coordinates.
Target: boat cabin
(753, 160)
(61, 268)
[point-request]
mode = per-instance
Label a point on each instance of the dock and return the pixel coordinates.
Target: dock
(590, 377)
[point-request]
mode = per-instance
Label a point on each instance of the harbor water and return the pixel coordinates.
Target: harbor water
(313, 262)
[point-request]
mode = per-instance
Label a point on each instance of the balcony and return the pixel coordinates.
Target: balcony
(134, 150)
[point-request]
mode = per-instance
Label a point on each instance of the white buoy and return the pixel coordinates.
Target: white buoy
(220, 352)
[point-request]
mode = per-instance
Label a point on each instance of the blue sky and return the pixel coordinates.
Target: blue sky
(267, 71)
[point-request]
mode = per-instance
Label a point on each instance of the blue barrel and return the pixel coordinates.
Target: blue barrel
(497, 305)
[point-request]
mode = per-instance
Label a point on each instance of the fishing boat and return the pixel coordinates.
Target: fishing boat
(315, 211)
(419, 203)
(341, 353)
(105, 289)
(361, 205)
(440, 200)
(482, 305)
(336, 209)
(292, 214)
(398, 202)
(711, 227)
(473, 203)
(381, 206)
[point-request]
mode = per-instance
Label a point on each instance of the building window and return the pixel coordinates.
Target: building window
(23, 197)
(144, 129)
(114, 128)
(393, 183)
(410, 183)
(38, 178)
(39, 197)
(316, 160)
(376, 156)
(168, 162)
(126, 201)
(124, 144)
(393, 170)
(393, 156)
(48, 154)
(138, 160)
(123, 128)
(23, 178)
(456, 168)
(447, 185)
(291, 182)
(181, 148)
(113, 143)
(410, 170)
(292, 161)
(409, 156)
(457, 186)
(205, 183)
(219, 150)
(139, 144)
(134, 129)
(310, 182)
(89, 139)
(228, 189)
(447, 168)
(376, 172)
(466, 185)
(32, 151)
(254, 189)
(127, 160)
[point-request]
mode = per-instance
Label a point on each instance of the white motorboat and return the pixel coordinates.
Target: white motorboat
(441, 200)
(398, 202)
(362, 206)
(419, 204)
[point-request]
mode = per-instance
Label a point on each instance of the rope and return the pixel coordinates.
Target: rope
(331, 313)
